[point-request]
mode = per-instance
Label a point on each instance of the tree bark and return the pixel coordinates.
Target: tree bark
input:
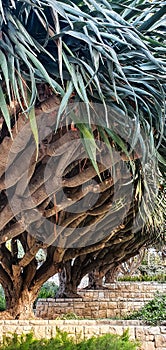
(111, 275)
(19, 306)
(95, 280)
(103, 235)
(68, 282)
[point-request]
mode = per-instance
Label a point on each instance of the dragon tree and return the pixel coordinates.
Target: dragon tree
(82, 100)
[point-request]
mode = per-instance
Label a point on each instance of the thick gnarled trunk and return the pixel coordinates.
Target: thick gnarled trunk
(67, 289)
(21, 277)
(20, 291)
(111, 275)
(68, 282)
(19, 305)
(95, 280)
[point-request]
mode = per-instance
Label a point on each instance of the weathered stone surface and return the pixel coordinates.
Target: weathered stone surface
(148, 345)
(154, 330)
(102, 313)
(150, 338)
(122, 297)
(160, 340)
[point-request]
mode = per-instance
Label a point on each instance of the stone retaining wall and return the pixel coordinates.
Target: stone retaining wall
(121, 298)
(151, 338)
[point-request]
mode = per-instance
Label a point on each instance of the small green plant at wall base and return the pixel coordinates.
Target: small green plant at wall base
(161, 278)
(63, 342)
(153, 313)
(69, 316)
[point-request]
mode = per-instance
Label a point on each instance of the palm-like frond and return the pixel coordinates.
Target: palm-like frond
(111, 52)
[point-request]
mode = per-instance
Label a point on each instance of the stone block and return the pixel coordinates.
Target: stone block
(92, 330)
(140, 333)
(79, 312)
(69, 328)
(26, 329)
(104, 328)
(79, 305)
(49, 332)
(111, 313)
(103, 305)
(119, 330)
(124, 312)
(102, 313)
(106, 294)
(79, 333)
(39, 332)
(94, 314)
(101, 295)
(149, 337)
(95, 296)
(112, 329)
(23, 322)
(148, 345)
(122, 305)
(153, 330)
(11, 322)
(87, 304)
(87, 313)
(38, 322)
(160, 340)
(112, 305)
(9, 329)
(111, 295)
(92, 304)
(95, 308)
(163, 329)
(131, 331)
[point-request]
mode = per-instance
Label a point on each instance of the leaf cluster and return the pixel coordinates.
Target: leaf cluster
(62, 341)
(48, 290)
(153, 313)
(161, 278)
(108, 53)
(97, 51)
(2, 299)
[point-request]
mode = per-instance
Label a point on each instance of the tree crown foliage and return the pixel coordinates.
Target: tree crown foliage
(95, 53)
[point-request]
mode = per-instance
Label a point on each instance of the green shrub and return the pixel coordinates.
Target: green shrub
(63, 342)
(156, 271)
(144, 278)
(69, 316)
(2, 303)
(153, 313)
(108, 342)
(2, 299)
(48, 290)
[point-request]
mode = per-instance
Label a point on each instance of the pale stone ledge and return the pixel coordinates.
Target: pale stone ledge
(151, 338)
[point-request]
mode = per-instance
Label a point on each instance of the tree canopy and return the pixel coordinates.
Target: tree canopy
(82, 169)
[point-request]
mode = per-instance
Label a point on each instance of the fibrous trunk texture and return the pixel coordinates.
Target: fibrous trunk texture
(55, 201)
